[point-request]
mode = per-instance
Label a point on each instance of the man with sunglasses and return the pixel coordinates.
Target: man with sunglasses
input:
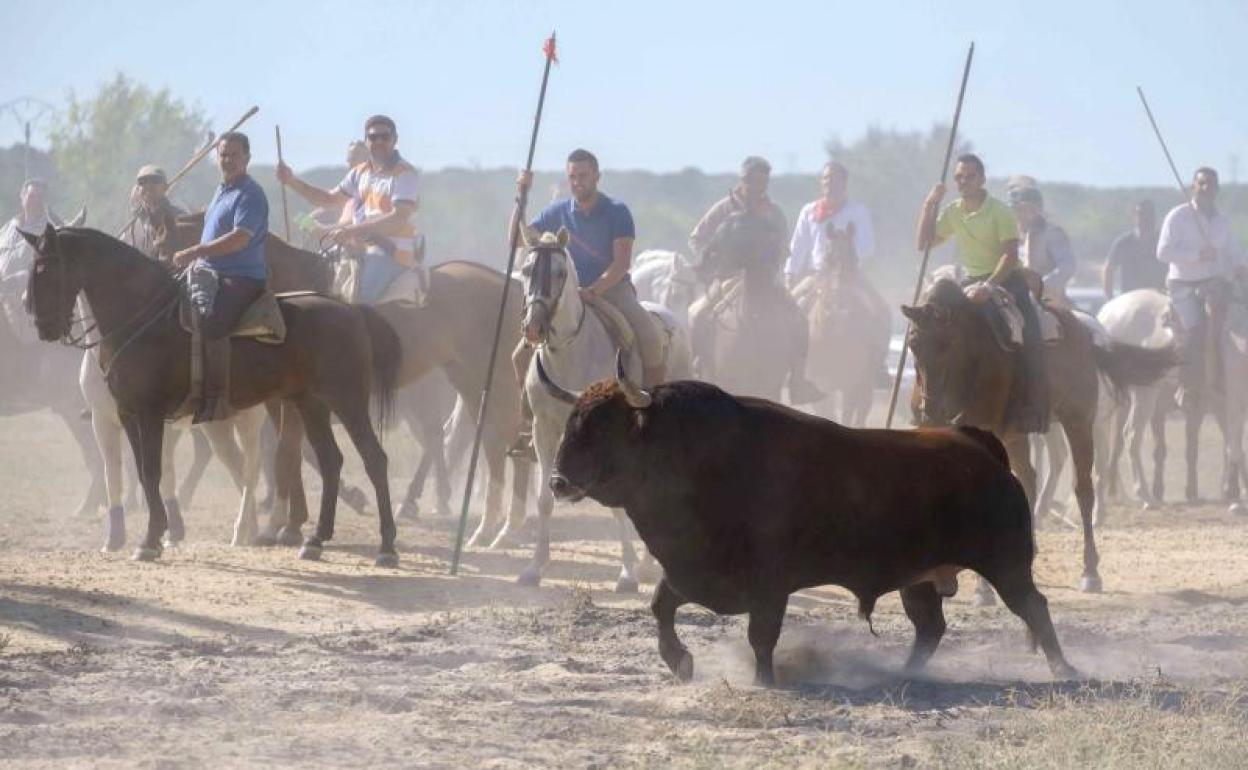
(385, 190)
(986, 233)
(153, 211)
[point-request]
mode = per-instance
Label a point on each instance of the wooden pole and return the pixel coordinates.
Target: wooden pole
(195, 159)
(277, 130)
(927, 250)
(1183, 189)
(512, 245)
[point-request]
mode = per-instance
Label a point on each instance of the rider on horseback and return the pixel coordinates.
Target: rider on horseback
(154, 214)
(986, 232)
(1045, 248)
(385, 191)
(1196, 241)
(750, 198)
(236, 224)
(833, 212)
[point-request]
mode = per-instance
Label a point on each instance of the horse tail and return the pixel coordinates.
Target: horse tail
(387, 355)
(1132, 365)
(988, 441)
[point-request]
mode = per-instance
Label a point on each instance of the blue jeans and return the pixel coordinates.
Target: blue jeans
(377, 272)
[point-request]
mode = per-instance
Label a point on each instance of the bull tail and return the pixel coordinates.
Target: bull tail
(988, 441)
(387, 355)
(1132, 365)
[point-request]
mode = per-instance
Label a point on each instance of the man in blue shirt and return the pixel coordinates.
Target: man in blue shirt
(232, 245)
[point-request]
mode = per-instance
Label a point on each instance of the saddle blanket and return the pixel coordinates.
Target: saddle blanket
(1007, 319)
(262, 321)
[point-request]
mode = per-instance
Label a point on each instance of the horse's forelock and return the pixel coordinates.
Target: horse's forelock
(947, 293)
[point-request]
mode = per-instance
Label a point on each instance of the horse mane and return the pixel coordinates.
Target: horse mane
(946, 292)
(98, 244)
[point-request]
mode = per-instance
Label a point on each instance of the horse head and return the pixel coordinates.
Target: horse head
(946, 336)
(746, 241)
(839, 253)
(54, 283)
(545, 273)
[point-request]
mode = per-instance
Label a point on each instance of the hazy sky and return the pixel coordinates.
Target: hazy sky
(665, 85)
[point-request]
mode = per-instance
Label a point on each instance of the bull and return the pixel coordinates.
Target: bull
(744, 501)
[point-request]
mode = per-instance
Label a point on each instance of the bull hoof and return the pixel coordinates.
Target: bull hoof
(289, 536)
(146, 553)
(684, 668)
(626, 585)
(388, 559)
(1090, 584)
(311, 551)
(115, 532)
(531, 578)
(1237, 509)
(176, 532)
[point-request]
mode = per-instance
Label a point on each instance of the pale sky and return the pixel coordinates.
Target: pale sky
(666, 85)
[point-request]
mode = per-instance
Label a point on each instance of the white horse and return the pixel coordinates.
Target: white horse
(575, 350)
(666, 278)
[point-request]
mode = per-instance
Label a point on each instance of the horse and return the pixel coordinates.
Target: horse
(743, 337)
(666, 278)
(334, 359)
(849, 331)
(575, 348)
(965, 377)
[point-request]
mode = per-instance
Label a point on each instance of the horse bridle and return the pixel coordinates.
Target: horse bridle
(540, 292)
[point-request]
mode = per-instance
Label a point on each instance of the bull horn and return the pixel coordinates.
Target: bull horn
(556, 390)
(637, 398)
(79, 219)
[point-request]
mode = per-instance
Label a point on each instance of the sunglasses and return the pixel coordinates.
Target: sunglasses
(379, 137)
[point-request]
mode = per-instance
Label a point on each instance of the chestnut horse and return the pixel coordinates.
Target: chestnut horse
(966, 378)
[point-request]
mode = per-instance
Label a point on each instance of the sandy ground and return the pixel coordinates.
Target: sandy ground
(249, 657)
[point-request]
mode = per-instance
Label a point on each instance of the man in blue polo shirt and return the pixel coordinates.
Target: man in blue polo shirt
(232, 245)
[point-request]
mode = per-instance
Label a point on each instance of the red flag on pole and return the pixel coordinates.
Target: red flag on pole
(549, 49)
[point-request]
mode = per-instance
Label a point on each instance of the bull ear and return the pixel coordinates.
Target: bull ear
(637, 398)
(563, 236)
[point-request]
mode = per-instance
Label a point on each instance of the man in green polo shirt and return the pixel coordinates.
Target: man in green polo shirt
(986, 233)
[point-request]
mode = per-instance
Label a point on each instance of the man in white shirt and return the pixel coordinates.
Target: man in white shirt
(835, 210)
(1197, 243)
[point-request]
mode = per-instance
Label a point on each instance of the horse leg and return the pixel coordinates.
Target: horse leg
(546, 434)
(146, 433)
(1194, 411)
(521, 476)
(108, 438)
(1055, 453)
(268, 455)
(410, 507)
(627, 581)
(355, 418)
(1158, 425)
(316, 421)
(1119, 426)
(199, 464)
(88, 444)
(1143, 405)
(291, 511)
(441, 473)
(169, 487)
(249, 423)
(488, 528)
(1232, 422)
(1078, 429)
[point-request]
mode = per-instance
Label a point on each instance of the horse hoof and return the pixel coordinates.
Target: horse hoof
(530, 578)
(176, 532)
(115, 533)
(409, 511)
(310, 552)
(684, 669)
(289, 536)
(264, 540)
(1090, 584)
(145, 553)
(626, 585)
(1237, 509)
(387, 559)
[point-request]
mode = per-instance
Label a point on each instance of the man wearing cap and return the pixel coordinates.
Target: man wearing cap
(750, 195)
(1133, 255)
(236, 225)
(986, 233)
(385, 190)
(1045, 248)
(153, 212)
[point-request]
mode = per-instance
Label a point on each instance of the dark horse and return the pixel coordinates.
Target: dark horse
(966, 378)
(334, 358)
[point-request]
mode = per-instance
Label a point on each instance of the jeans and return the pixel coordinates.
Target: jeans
(377, 271)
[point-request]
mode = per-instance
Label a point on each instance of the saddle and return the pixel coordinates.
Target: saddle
(1005, 319)
(621, 332)
(262, 321)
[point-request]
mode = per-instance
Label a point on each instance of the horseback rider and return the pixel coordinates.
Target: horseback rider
(1044, 248)
(601, 248)
(1134, 255)
(986, 233)
(33, 215)
(154, 213)
(1197, 243)
(834, 210)
(385, 192)
(236, 224)
(750, 197)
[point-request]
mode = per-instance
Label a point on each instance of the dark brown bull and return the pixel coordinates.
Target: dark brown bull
(744, 501)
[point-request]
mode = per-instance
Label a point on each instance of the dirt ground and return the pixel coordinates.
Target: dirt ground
(249, 657)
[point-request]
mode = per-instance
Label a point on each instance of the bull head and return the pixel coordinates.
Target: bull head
(637, 397)
(553, 388)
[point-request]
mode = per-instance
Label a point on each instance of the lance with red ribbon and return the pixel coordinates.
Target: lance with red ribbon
(513, 242)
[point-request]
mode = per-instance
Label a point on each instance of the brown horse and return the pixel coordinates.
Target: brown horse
(334, 359)
(849, 329)
(966, 378)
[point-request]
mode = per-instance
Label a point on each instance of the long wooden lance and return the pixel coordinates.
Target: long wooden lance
(195, 159)
(513, 242)
(927, 249)
(277, 130)
(1183, 190)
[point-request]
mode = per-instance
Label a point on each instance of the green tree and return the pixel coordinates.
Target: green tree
(101, 141)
